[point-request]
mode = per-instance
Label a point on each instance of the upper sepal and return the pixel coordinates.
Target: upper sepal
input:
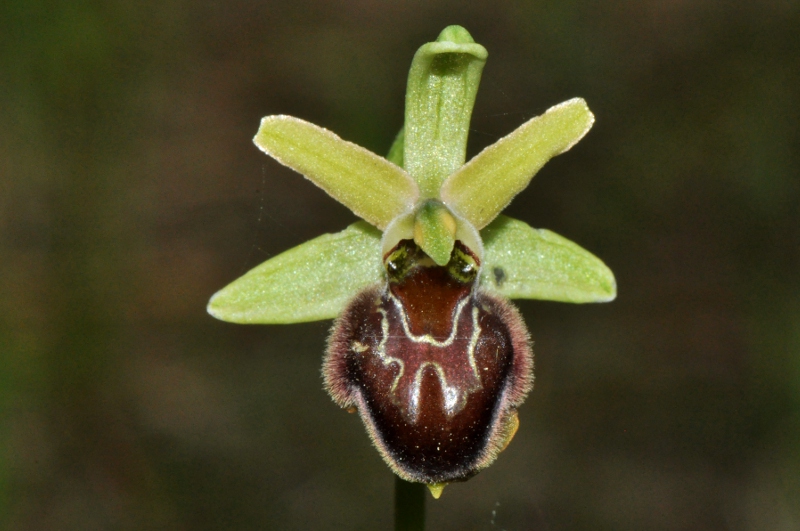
(442, 85)
(521, 262)
(310, 282)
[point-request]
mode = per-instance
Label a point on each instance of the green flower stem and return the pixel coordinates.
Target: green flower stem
(409, 505)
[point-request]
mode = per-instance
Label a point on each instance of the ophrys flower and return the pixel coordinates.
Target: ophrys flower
(425, 346)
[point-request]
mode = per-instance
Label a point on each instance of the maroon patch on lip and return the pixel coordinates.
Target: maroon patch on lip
(435, 367)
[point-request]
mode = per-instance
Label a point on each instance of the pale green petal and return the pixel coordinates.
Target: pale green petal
(525, 263)
(309, 282)
(483, 187)
(372, 187)
(442, 85)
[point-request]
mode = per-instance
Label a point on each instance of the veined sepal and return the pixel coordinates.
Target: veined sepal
(521, 262)
(310, 282)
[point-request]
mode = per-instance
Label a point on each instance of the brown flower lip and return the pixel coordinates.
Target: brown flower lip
(435, 366)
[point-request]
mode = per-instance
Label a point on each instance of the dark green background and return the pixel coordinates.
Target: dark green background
(130, 191)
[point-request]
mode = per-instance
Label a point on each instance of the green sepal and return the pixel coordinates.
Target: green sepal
(372, 187)
(521, 262)
(442, 85)
(310, 282)
(484, 186)
(395, 155)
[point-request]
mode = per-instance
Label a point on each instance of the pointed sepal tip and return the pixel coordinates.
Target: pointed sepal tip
(436, 489)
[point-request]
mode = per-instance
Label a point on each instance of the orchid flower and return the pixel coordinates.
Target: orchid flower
(432, 247)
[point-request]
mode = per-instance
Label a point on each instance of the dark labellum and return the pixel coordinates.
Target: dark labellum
(435, 366)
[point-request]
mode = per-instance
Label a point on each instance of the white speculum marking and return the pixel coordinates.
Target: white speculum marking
(454, 398)
(450, 392)
(380, 350)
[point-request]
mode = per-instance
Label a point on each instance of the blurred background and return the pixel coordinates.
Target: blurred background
(130, 191)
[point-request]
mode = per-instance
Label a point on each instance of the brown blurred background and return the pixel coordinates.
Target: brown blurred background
(130, 191)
